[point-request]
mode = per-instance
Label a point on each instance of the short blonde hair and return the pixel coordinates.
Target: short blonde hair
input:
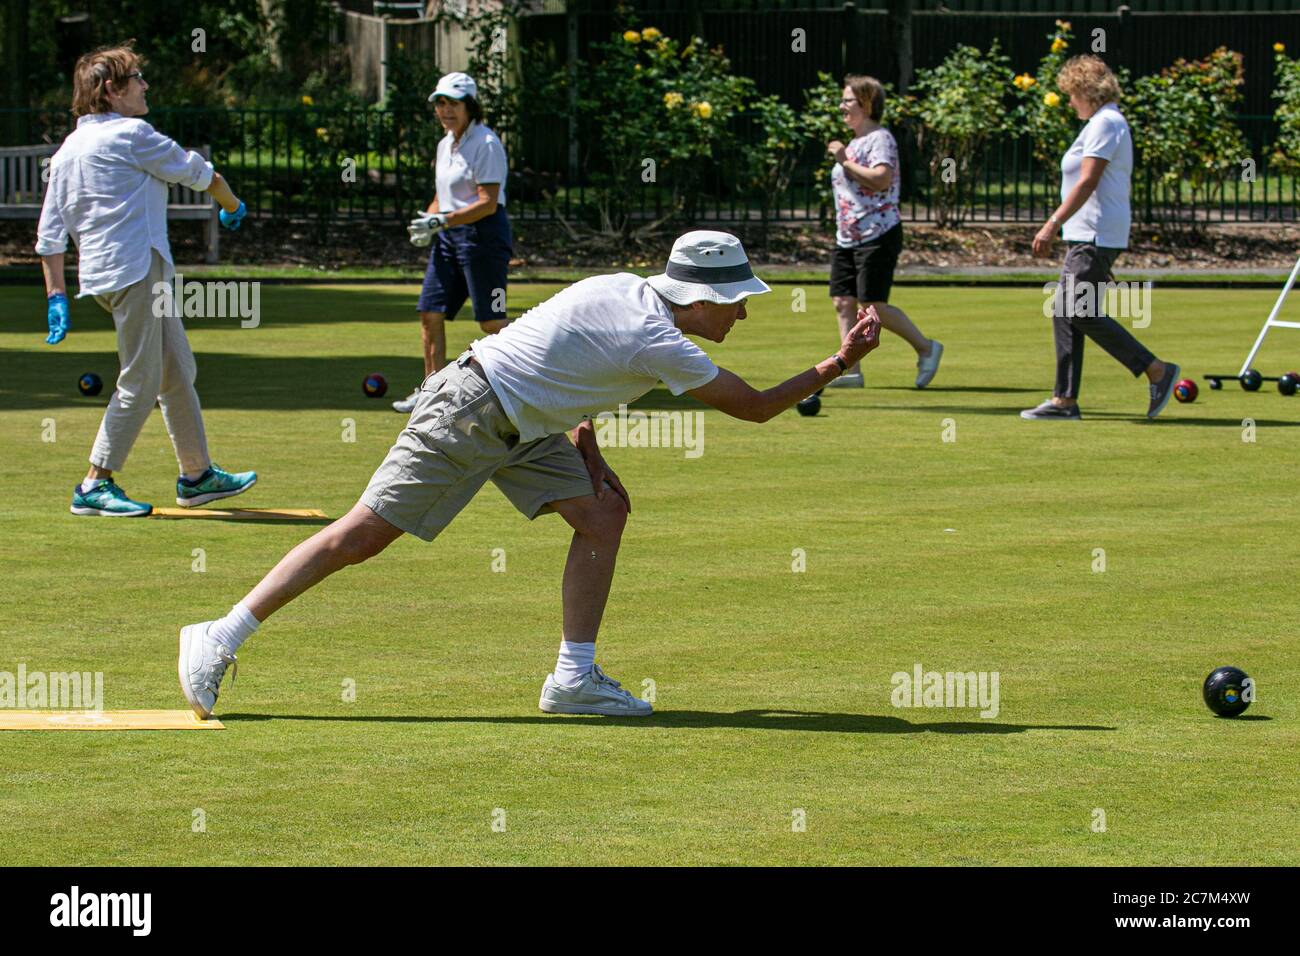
(1091, 78)
(94, 71)
(869, 93)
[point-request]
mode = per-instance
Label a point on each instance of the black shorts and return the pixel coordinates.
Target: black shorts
(867, 271)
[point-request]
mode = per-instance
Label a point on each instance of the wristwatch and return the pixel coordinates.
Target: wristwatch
(839, 360)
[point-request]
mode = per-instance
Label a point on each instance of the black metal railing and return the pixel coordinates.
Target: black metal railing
(322, 165)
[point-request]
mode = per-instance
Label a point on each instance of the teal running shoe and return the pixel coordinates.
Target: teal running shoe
(109, 501)
(211, 485)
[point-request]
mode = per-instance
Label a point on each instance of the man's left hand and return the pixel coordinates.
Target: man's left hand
(599, 471)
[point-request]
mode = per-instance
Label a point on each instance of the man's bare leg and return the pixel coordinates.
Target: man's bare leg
(589, 571)
(356, 537)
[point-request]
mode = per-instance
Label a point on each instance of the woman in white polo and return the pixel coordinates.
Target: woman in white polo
(108, 192)
(466, 224)
(1095, 173)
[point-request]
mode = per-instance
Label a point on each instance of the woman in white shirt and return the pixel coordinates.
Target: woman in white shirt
(1095, 174)
(466, 224)
(107, 191)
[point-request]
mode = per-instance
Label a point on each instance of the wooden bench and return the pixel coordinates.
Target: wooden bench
(22, 191)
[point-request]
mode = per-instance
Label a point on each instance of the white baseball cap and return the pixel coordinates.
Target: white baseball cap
(457, 86)
(710, 267)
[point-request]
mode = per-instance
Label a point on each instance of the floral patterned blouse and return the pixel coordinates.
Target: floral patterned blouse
(860, 214)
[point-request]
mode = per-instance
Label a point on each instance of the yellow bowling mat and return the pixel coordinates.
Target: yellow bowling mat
(104, 720)
(246, 514)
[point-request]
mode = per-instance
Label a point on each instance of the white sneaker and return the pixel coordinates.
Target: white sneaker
(594, 694)
(406, 405)
(847, 380)
(202, 664)
(929, 364)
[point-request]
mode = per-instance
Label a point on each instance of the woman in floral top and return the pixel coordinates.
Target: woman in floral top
(869, 233)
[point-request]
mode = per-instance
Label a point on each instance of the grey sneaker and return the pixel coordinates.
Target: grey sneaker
(929, 364)
(1160, 391)
(201, 666)
(847, 380)
(594, 694)
(1047, 412)
(406, 405)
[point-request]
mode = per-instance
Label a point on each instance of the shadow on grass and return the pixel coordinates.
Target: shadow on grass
(47, 381)
(704, 719)
(1013, 411)
(247, 519)
(982, 389)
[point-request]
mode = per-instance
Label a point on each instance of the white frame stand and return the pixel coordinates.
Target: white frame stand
(1273, 321)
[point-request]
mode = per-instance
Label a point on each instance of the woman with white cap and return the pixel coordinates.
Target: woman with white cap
(466, 224)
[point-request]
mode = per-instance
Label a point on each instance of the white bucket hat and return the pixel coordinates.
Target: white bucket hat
(457, 86)
(710, 267)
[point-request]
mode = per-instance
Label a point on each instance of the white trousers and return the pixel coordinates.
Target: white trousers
(156, 366)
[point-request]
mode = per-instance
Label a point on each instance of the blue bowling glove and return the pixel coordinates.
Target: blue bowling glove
(57, 316)
(231, 220)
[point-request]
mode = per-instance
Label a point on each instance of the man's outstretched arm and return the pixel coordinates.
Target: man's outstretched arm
(730, 393)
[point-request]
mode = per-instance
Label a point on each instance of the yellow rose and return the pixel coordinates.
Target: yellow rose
(1051, 99)
(308, 101)
(703, 110)
(1058, 45)
(673, 100)
(1279, 47)
(650, 34)
(631, 36)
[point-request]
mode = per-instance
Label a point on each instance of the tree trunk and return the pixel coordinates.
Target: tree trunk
(900, 35)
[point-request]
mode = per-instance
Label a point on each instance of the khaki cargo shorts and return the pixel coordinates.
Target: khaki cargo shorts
(457, 439)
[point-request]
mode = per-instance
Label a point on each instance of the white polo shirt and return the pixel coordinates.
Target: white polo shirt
(108, 191)
(601, 343)
(479, 158)
(1105, 217)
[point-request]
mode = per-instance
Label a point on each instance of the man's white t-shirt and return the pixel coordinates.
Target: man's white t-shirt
(600, 343)
(1105, 216)
(478, 159)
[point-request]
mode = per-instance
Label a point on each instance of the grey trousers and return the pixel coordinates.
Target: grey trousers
(157, 366)
(1079, 311)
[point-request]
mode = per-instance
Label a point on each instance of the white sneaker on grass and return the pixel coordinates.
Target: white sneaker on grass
(594, 694)
(847, 380)
(406, 405)
(201, 666)
(927, 365)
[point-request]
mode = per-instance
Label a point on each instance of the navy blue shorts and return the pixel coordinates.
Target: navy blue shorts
(469, 262)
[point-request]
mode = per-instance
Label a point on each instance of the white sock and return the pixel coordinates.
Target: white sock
(235, 628)
(574, 662)
(90, 483)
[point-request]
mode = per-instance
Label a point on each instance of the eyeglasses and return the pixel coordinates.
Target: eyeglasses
(137, 75)
(848, 102)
